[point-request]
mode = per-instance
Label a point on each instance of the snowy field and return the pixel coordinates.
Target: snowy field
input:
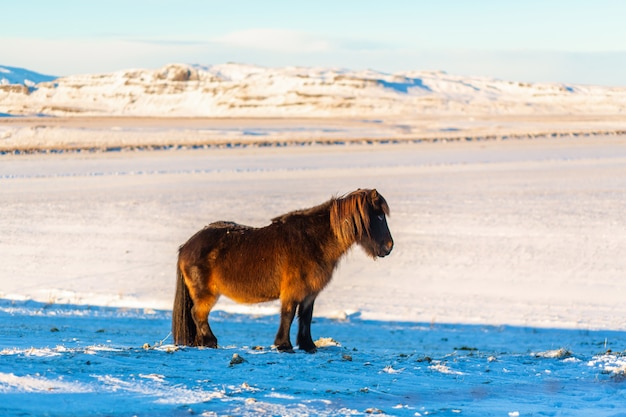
(503, 295)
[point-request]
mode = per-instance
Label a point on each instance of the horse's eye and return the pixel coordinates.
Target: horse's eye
(381, 217)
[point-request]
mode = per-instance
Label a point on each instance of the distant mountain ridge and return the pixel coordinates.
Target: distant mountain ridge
(22, 76)
(239, 90)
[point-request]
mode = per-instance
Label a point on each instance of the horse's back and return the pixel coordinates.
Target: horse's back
(221, 225)
(207, 240)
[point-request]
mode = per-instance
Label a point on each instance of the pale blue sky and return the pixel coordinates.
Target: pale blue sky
(568, 41)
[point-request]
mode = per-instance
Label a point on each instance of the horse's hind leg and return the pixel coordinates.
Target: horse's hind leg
(305, 316)
(203, 301)
(200, 313)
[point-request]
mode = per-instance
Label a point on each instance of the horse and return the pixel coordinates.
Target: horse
(292, 259)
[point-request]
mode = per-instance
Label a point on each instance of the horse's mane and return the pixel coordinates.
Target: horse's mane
(303, 212)
(349, 215)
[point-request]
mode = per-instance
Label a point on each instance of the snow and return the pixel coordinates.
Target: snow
(525, 227)
(17, 76)
(238, 105)
(10, 382)
(503, 294)
(239, 90)
(114, 362)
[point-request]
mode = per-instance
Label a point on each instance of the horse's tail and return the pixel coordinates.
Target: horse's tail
(183, 326)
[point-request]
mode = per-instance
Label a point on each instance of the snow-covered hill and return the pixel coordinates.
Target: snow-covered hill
(237, 90)
(13, 76)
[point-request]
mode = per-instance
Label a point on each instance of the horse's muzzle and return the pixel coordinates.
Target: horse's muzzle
(385, 249)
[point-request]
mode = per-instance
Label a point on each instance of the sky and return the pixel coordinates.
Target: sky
(568, 41)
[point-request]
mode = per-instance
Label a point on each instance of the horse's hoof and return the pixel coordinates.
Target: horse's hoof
(307, 345)
(285, 348)
(212, 344)
(309, 349)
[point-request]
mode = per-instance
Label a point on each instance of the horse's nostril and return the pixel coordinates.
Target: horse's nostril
(387, 247)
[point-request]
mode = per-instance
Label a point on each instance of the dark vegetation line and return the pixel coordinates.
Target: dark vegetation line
(241, 144)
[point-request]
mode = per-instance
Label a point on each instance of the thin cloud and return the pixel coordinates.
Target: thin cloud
(276, 40)
(169, 42)
(292, 41)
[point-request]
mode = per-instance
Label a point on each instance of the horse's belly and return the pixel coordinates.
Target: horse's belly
(248, 289)
(251, 297)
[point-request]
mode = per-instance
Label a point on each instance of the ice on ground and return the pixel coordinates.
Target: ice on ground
(610, 363)
(33, 384)
(444, 369)
(560, 353)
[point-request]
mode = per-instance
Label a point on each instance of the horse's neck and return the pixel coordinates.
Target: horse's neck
(338, 246)
(315, 224)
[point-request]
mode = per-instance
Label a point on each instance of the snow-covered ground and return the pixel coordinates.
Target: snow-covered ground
(502, 296)
(524, 232)
(53, 134)
(71, 361)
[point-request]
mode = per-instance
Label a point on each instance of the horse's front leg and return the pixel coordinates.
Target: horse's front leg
(305, 316)
(287, 313)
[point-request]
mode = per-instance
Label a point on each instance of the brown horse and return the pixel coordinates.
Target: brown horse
(292, 259)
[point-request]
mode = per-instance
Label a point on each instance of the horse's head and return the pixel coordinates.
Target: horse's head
(376, 239)
(361, 217)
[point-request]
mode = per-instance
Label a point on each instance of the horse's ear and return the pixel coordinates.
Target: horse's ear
(379, 201)
(375, 198)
